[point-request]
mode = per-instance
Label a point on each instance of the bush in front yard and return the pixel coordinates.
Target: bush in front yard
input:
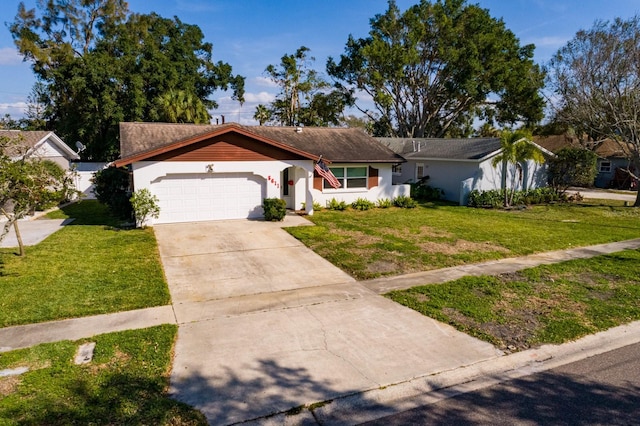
(404, 202)
(275, 209)
(362, 204)
(334, 204)
(111, 187)
(145, 206)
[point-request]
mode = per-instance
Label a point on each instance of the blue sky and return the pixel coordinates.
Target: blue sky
(251, 34)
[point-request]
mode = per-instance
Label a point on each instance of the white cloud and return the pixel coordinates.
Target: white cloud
(259, 98)
(14, 109)
(264, 82)
(9, 56)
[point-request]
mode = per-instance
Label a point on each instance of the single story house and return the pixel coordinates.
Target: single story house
(459, 166)
(612, 158)
(209, 172)
(43, 144)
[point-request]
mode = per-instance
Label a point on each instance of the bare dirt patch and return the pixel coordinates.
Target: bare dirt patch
(8, 385)
(361, 238)
(382, 267)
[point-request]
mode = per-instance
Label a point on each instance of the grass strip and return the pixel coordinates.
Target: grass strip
(546, 304)
(125, 383)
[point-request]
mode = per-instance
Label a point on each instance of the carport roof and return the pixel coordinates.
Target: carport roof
(139, 141)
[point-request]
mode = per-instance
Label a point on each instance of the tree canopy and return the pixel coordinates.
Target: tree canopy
(99, 65)
(305, 98)
(435, 67)
(596, 82)
(572, 167)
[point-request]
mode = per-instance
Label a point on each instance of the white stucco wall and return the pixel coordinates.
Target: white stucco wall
(145, 173)
(457, 178)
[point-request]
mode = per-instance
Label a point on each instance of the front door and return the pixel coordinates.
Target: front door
(287, 191)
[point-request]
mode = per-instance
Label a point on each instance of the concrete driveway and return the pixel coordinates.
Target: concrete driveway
(266, 325)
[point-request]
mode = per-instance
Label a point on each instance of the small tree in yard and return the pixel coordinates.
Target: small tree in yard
(145, 206)
(572, 167)
(516, 149)
(26, 183)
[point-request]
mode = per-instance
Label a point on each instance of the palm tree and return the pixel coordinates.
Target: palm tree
(516, 149)
(181, 106)
(262, 115)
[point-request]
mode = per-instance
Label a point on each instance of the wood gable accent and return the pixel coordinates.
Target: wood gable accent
(227, 147)
(232, 143)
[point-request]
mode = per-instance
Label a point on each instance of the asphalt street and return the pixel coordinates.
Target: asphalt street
(604, 389)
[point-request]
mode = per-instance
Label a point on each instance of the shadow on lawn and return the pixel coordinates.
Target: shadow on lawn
(92, 212)
(120, 399)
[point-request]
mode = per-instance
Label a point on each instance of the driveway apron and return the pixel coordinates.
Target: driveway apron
(266, 325)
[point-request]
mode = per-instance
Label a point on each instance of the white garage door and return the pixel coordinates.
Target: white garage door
(198, 197)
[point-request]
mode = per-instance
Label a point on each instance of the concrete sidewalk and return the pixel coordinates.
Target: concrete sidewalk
(24, 336)
(495, 267)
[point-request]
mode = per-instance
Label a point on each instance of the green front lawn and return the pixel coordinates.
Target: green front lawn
(124, 384)
(547, 304)
(394, 241)
(89, 267)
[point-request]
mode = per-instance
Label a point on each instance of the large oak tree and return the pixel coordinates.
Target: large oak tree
(99, 65)
(596, 81)
(435, 67)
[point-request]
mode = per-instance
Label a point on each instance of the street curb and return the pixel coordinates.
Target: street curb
(420, 391)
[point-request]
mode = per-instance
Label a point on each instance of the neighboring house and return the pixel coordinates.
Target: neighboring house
(611, 158)
(209, 172)
(459, 166)
(44, 145)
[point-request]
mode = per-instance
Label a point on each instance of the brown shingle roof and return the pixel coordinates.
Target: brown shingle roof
(335, 144)
(28, 139)
(606, 148)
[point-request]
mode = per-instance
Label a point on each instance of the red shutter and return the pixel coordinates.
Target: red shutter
(373, 177)
(317, 181)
